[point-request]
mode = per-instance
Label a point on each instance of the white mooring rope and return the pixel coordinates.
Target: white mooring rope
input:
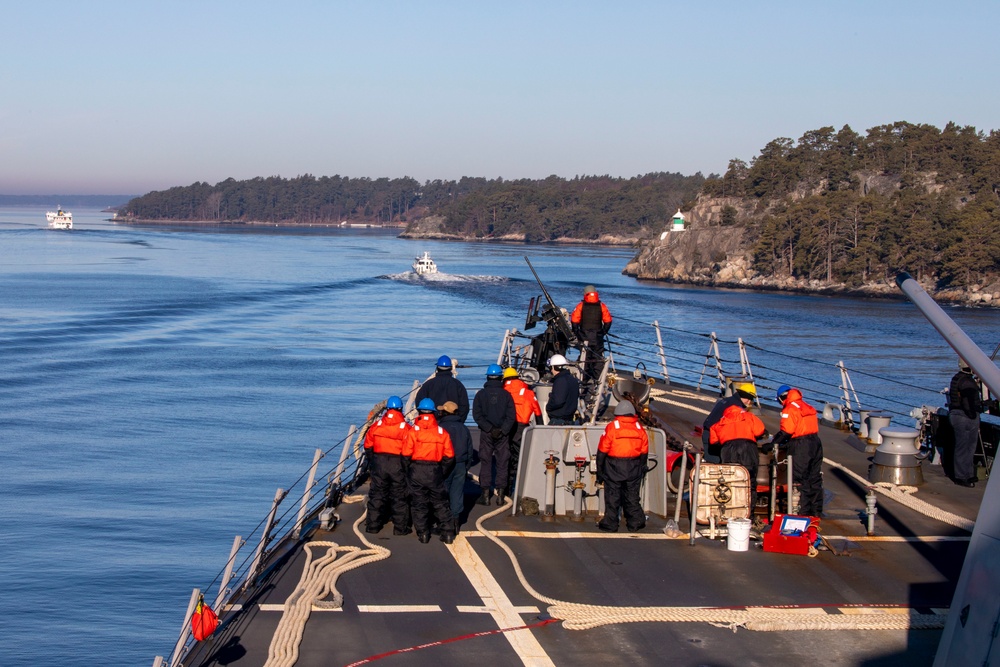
(577, 616)
(319, 579)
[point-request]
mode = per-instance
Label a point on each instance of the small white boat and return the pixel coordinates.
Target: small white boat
(424, 265)
(60, 219)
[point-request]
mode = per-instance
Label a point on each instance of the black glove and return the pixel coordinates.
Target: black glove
(577, 331)
(496, 432)
(447, 465)
(644, 463)
(605, 328)
(767, 448)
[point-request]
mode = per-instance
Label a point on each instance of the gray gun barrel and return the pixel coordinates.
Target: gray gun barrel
(951, 332)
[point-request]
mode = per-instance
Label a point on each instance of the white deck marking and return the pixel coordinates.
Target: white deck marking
(397, 608)
(489, 610)
(503, 611)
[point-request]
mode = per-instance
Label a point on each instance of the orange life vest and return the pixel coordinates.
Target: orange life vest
(387, 435)
(525, 402)
(798, 418)
(736, 424)
(624, 438)
(426, 441)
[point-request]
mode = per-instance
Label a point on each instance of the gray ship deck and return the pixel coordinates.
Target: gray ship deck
(459, 603)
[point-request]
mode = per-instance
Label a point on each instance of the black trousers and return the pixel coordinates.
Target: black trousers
(807, 473)
(966, 439)
(493, 451)
(429, 499)
(744, 453)
(388, 492)
(514, 456)
(623, 497)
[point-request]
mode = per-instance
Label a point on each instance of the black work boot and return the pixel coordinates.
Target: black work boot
(501, 497)
(424, 537)
(484, 497)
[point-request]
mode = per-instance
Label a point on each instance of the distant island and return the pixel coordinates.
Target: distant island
(834, 211)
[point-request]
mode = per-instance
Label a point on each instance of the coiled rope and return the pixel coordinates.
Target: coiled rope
(318, 580)
(576, 616)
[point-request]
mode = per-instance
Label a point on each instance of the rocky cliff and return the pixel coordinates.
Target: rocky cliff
(709, 253)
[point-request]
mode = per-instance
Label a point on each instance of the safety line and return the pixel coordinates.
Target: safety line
(452, 640)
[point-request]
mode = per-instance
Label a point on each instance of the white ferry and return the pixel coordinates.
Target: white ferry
(424, 265)
(60, 219)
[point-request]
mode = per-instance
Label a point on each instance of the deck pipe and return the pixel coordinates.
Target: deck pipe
(551, 464)
(680, 487)
(984, 367)
(870, 509)
(693, 495)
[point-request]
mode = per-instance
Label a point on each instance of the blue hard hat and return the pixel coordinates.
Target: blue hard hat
(394, 403)
(494, 371)
(782, 390)
(444, 361)
(426, 405)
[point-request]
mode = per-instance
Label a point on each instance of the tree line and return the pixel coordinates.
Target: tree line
(839, 206)
(582, 208)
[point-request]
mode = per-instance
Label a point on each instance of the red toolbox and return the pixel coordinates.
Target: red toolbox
(790, 534)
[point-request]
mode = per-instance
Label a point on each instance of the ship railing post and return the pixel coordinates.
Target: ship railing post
(175, 657)
(158, 661)
(713, 351)
(745, 369)
(663, 357)
(228, 574)
(505, 348)
(307, 492)
(411, 399)
(599, 393)
(693, 496)
(358, 449)
(848, 387)
(344, 448)
(264, 536)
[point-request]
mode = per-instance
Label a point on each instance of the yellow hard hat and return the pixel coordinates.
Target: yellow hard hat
(509, 373)
(747, 388)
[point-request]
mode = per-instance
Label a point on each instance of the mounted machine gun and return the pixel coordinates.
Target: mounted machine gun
(558, 335)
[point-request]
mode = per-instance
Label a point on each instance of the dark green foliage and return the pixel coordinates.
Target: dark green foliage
(585, 207)
(847, 208)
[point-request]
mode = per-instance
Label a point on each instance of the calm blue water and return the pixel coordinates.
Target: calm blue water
(157, 386)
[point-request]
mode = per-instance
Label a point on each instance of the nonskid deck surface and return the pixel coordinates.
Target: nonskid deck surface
(455, 602)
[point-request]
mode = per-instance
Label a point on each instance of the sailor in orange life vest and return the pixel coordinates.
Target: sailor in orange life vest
(622, 456)
(430, 458)
(800, 433)
(591, 321)
(526, 408)
(384, 443)
(737, 432)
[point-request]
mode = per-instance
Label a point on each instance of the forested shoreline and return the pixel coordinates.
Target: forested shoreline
(834, 206)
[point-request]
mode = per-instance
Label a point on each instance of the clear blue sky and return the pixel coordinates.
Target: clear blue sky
(132, 96)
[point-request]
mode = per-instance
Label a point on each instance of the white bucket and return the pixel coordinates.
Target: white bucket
(739, 534)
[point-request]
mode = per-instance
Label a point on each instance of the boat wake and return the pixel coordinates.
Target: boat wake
(439, 277)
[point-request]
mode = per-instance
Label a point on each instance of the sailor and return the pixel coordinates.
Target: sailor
(431, 458)
(444, 387)
(461, 442)
(737, 432)
(800, 432)
(526, 409)
(711, 454)
(384, 444)
(493, 410)
(622, 454)
(964, 406)
(591, 321)
(565, 394)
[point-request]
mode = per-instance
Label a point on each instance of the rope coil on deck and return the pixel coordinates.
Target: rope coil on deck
(318, 580)
(576, 616)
